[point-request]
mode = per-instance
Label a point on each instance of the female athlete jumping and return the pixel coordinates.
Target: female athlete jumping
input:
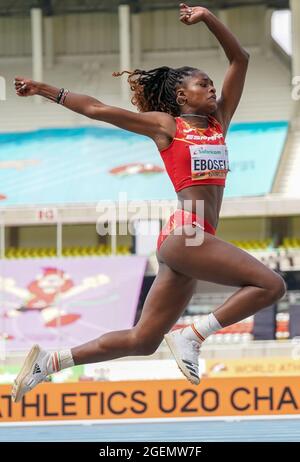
(179, 111)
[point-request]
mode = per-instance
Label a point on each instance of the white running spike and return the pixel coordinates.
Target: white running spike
(33, 372)
(186, 354)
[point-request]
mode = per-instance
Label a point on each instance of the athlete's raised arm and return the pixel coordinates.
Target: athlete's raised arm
(237, 56)
(150, 124)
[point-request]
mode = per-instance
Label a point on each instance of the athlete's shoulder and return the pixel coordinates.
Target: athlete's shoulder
(220, 122)
(216, 120)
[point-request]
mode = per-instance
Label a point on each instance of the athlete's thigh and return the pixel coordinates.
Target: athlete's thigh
(166, 300)
(215, 261)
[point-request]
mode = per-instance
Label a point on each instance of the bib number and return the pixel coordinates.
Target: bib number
(208, 161)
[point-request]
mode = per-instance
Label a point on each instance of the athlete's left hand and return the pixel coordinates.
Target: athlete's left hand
(191, 15)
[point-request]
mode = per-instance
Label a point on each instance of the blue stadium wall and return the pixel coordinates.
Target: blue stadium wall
(86, 165)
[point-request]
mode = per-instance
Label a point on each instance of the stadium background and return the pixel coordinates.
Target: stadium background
(62, 282)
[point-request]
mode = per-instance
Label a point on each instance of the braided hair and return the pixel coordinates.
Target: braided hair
(155, 90)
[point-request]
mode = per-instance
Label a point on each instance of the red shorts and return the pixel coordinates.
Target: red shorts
(182, 217)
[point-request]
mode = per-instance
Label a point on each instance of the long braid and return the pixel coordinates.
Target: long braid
(155, 90)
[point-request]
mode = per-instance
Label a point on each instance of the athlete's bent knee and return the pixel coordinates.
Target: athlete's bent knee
(144, 345)
(277, 289)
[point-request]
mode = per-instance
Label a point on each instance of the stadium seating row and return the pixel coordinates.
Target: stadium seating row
(242, 331)
(76, 251)
(291, 243)
(249, 245)
(254, 244)
(268, 244)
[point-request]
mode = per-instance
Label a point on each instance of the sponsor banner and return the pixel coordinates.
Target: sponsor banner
(155, 399)
(275, 366)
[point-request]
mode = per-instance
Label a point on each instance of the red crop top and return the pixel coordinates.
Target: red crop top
(196, 155)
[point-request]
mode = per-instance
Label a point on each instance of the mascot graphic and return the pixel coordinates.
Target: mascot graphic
(46, 292)
(136, 168)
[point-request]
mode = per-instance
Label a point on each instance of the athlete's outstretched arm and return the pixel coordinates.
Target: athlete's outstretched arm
(150, 124)
(237, 56)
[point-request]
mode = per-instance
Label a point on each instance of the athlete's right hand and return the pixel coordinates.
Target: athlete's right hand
(25, 87)
(192, 15)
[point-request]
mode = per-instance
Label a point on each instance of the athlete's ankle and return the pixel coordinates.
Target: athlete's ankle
(59, 360)
(200, 330)
(191, 333)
